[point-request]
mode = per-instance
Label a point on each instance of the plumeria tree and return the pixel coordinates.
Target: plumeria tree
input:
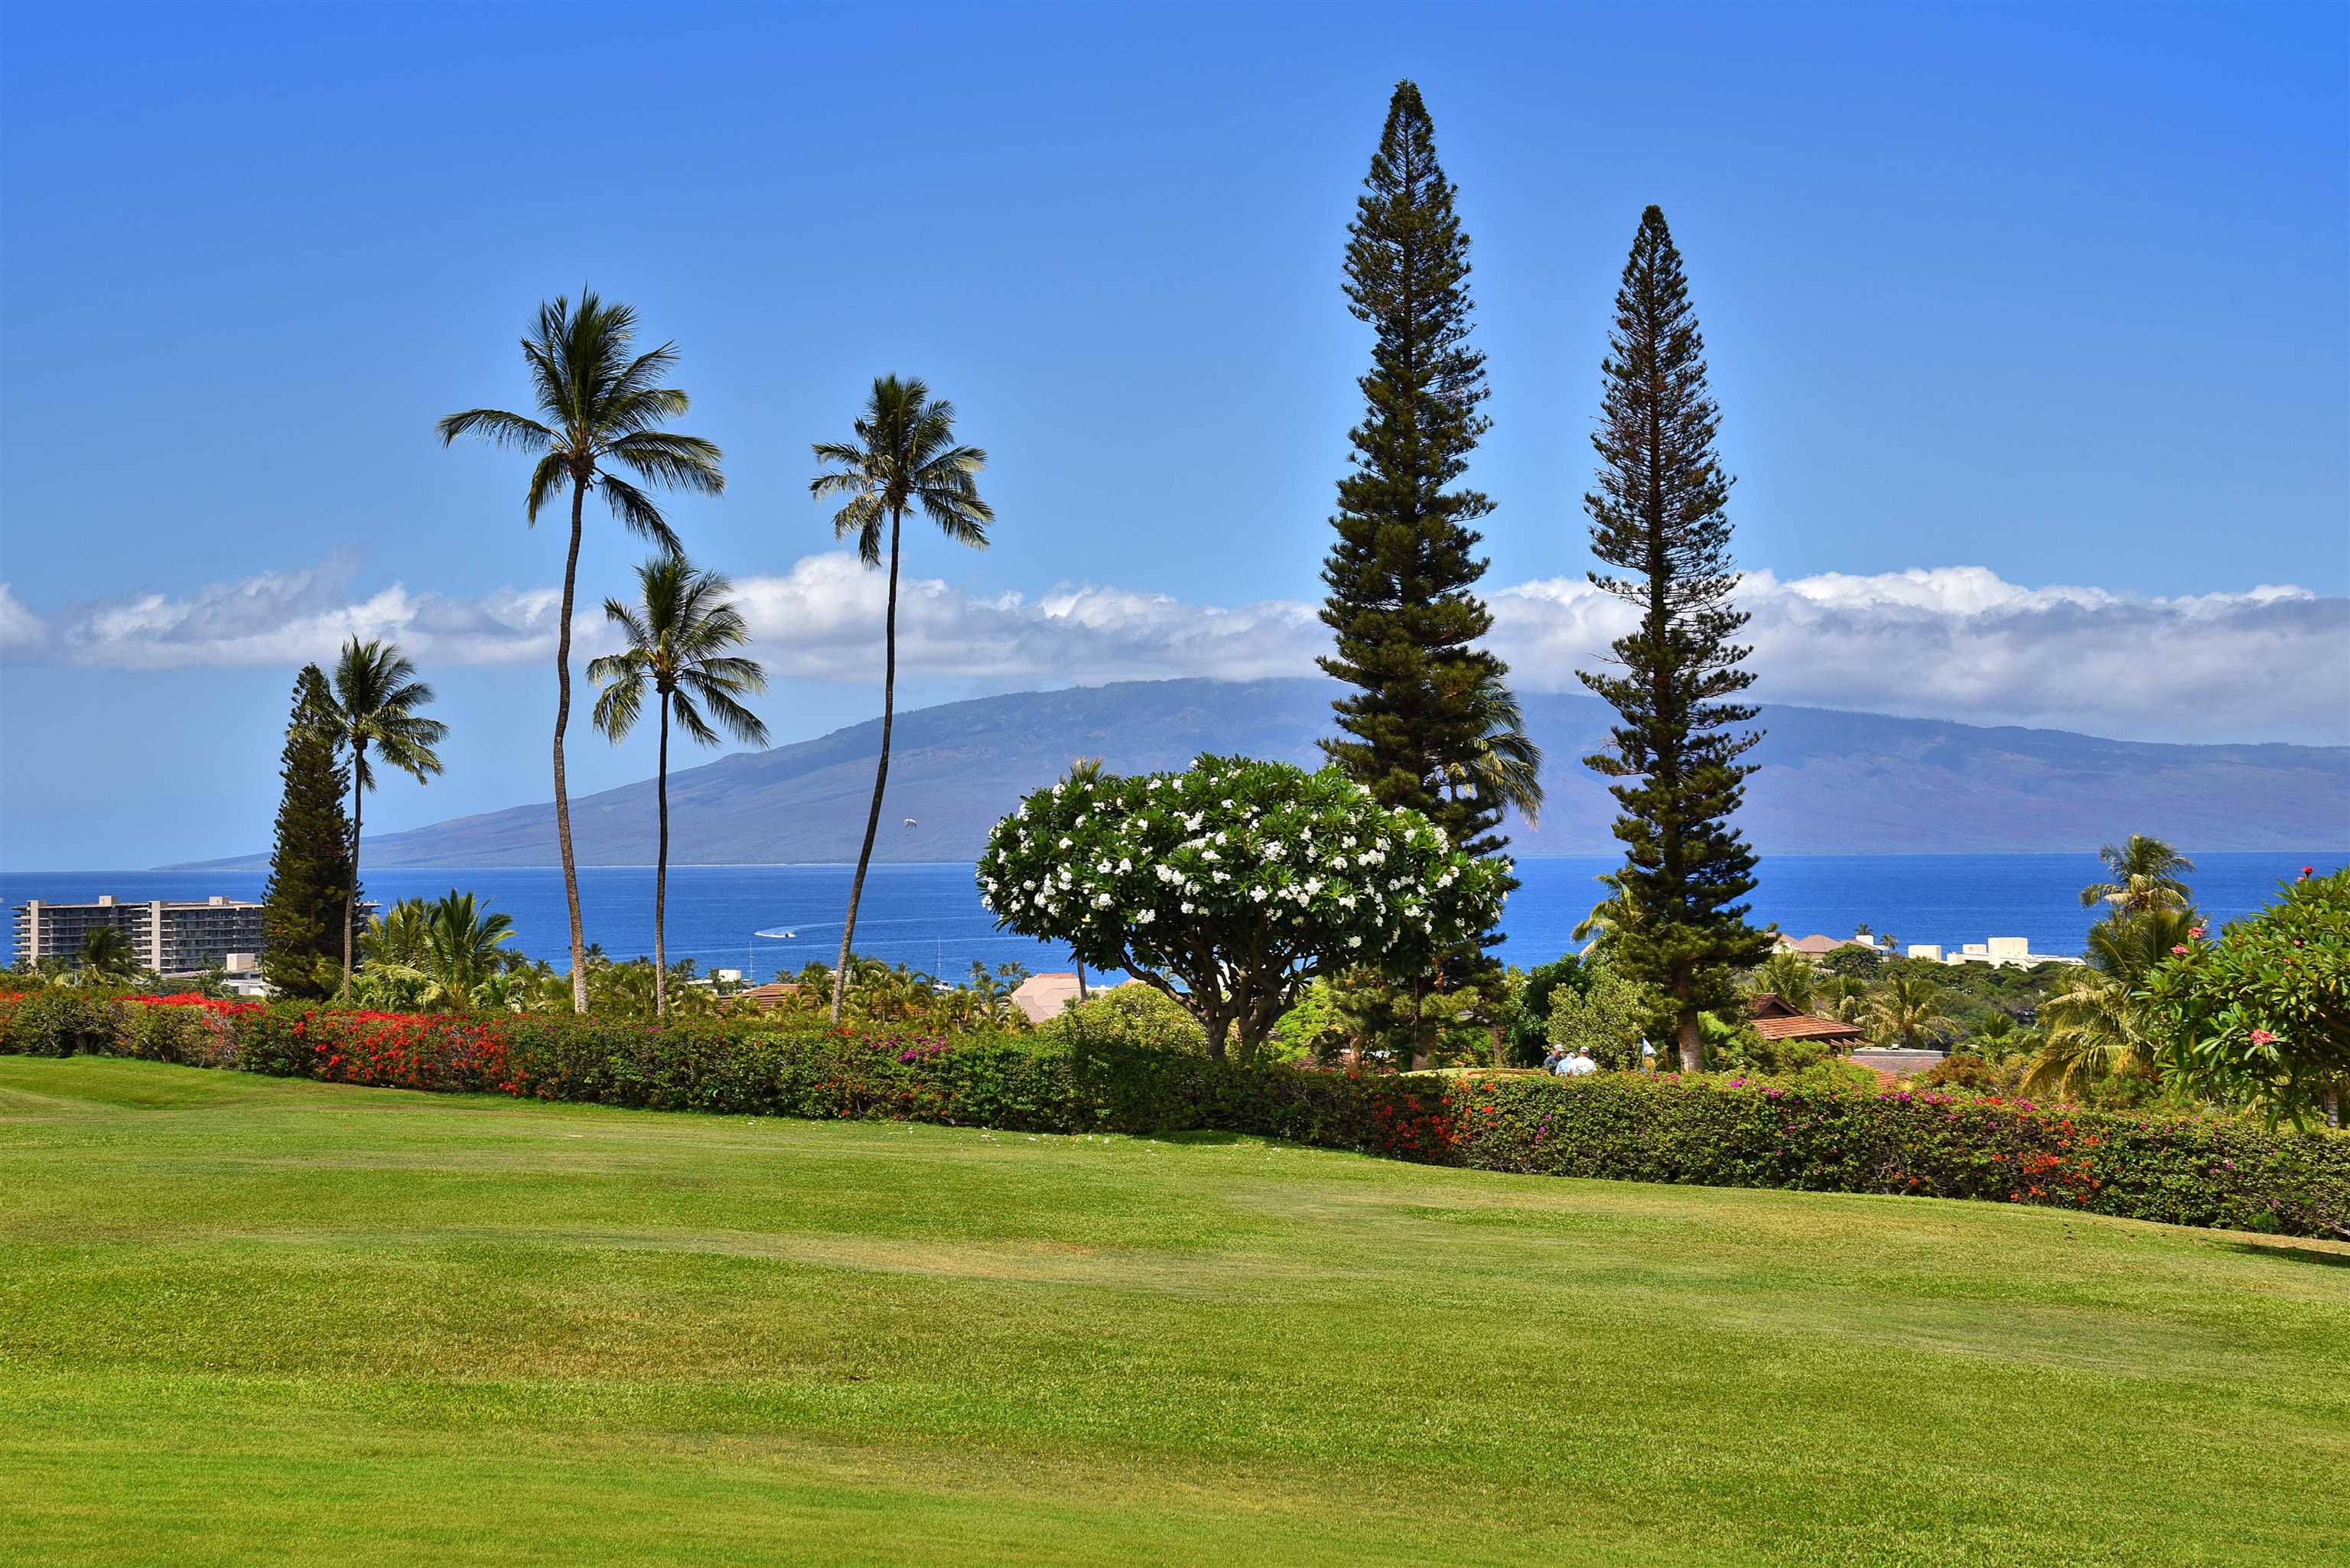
(2262, 1013)
(1232, 884)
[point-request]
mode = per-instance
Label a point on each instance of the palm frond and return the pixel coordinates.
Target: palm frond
(637, 513)
(545, 480)
(497, 427)
(680, 462)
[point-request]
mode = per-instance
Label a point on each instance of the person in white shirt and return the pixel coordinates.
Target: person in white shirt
(1576, 1065)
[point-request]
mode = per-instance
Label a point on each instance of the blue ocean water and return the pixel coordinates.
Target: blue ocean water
(929, 917)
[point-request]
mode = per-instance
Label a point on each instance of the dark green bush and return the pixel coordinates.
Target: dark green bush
(1824, 1137)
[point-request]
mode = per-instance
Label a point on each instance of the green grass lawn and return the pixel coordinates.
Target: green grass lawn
(250, 1320)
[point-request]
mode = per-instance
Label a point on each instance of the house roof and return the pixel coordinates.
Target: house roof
(1777, 1019)
(1041, 996)
(1818, 945)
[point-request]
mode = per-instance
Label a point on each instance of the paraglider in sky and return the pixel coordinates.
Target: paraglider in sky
(910, 824)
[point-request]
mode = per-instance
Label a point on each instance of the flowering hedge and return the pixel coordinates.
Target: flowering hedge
(1710, 1132)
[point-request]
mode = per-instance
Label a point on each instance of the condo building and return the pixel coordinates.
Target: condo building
(169, 936)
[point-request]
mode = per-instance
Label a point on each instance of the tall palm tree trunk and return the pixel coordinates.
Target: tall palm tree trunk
(351, 892)
(562, 720)
(880, 773)
(661, 872)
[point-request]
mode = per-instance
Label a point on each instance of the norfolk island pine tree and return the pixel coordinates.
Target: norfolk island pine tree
(1419, 730)
(1658, 519)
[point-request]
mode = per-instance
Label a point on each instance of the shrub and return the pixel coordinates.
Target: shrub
(1129, 1014)
(1806, 1134)
(2262, 1016)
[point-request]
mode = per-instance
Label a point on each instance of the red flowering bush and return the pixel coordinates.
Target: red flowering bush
(1696, 1131)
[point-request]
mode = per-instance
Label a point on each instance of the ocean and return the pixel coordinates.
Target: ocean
(929, 917)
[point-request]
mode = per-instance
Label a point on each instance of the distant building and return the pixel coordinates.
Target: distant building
(1042, 996)
(1775, 1018)
(772, 995)
(2000, 952)
(169, 936)
(1817, 946)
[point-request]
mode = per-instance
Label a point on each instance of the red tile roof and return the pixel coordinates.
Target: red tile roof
(1774, 1019)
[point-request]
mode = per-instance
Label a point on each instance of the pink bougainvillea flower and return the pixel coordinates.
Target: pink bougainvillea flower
(2195, 931)
(2179, 950)
(2263, 1037)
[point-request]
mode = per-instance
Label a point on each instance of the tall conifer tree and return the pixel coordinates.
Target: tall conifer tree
(1658, 518)
(1402, 569)
(310, 871)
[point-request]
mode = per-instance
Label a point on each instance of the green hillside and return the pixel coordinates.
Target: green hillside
(251, 1320)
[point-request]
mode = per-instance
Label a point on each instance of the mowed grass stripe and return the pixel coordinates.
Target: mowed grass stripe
(243, 1319)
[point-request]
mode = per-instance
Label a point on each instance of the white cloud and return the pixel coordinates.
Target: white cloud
(1959, 642)
(21, 630)
(288, 618)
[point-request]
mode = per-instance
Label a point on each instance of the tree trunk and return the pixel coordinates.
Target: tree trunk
(562, 720)
(880, 772)
(351, 892)
(1692, 1044)
(661, 872)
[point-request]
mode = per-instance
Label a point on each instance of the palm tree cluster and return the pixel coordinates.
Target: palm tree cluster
(600, 407)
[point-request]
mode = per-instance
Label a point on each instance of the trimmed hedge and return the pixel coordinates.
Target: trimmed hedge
(1699, 1131)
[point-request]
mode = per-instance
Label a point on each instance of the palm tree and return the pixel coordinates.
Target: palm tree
(397, 936)
(904, 456)
(374, 702)
(461, 941)
(678, 634)
(599, 400)
(1610, 915)
(2098, 1027)
(2145, 877)
(1790, 978)
(1505, 765)
(1843, 997)
(105, 955)
(1907, 1011)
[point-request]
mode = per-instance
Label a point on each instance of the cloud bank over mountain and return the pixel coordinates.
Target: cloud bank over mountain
(2269, 663)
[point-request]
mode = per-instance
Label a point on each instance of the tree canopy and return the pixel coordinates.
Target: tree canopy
(1232, 884)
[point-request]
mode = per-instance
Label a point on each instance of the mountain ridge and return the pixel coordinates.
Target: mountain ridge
(1827, 781)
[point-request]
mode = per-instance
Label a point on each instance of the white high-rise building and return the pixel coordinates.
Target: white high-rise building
(167, 936)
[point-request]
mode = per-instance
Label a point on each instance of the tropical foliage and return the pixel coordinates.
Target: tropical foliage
(448, 954)
(2261, 1015)
(1608, 1015)
(2145, 875)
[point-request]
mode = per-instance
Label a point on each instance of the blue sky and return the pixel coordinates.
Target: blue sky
(2030, 327)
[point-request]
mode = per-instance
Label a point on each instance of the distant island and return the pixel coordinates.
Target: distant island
(1830, 781)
